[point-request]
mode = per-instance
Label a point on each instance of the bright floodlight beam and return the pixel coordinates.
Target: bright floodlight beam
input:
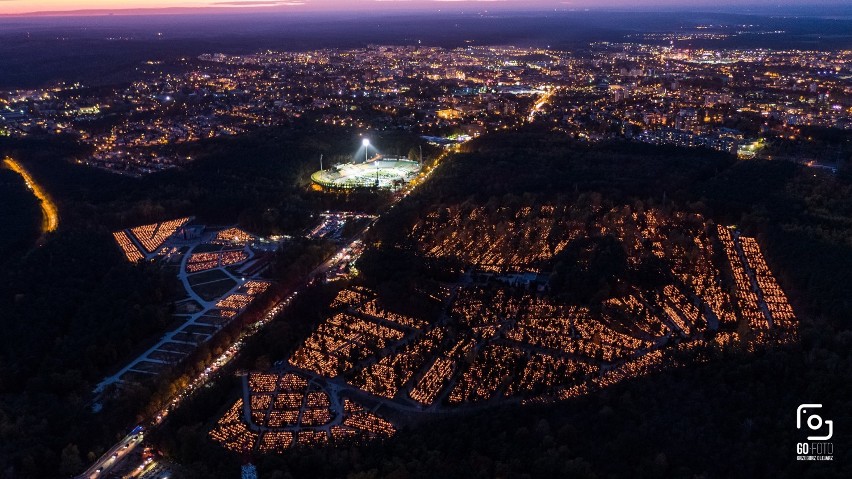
(366, 144)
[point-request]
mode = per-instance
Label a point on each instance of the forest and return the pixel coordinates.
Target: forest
(19, 213)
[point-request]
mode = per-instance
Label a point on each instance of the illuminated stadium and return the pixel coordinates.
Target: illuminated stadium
(376, 172)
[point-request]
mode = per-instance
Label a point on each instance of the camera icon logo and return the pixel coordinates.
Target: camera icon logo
(813, 421)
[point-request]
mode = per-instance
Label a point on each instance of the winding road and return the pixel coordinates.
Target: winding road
(50, 213)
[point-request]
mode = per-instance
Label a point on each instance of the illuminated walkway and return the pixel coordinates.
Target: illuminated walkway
(50, 214)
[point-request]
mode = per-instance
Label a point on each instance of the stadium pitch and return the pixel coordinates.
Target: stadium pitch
(381, 173)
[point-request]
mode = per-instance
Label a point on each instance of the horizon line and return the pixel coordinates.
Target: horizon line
(303, 8)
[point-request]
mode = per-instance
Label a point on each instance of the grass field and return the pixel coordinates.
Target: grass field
(215, 289)
(206, 277)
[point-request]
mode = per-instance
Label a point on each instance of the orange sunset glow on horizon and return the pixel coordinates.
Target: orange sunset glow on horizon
(78, 7)
(19, 7)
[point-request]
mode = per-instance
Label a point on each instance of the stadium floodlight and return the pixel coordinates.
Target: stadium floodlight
(366, 144)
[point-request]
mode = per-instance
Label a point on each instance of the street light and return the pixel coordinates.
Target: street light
(366, 144)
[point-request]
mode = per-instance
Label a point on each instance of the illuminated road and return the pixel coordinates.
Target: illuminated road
(50, 213)
(539, 104)
(112, 457)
